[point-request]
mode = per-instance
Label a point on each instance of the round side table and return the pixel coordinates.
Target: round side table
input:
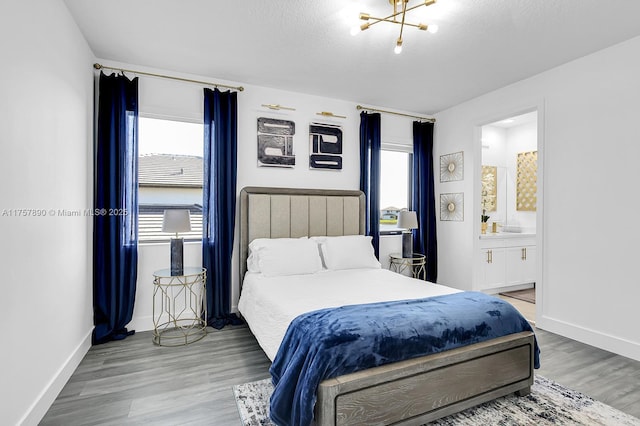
(179, 307)
(417, 263)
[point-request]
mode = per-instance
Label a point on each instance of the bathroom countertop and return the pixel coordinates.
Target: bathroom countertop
(491, 235)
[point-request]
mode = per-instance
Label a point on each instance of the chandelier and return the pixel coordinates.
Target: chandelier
(400, 9)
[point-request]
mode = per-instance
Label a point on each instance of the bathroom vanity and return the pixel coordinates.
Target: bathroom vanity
(506, 259)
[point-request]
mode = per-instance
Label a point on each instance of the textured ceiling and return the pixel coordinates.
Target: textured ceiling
(306, 46)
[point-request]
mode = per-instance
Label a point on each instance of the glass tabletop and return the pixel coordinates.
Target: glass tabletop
(187, 271)
(414, 256)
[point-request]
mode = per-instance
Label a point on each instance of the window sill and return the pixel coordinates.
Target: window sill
(167, 241)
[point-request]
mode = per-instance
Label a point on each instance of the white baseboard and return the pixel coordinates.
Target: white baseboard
(49, 394)
(595, 338)
(141, 323)
(146, 323)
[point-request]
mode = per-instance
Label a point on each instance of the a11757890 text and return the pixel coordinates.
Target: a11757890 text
(26, 212)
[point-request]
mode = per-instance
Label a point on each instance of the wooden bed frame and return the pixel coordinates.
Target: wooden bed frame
(410, 392)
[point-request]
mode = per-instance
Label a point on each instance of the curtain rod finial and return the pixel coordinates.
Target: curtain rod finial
(97, 66)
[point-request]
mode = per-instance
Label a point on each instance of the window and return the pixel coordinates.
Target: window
(395, 187)
(169, 175)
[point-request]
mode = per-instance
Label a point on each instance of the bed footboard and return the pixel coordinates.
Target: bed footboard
(423, 389)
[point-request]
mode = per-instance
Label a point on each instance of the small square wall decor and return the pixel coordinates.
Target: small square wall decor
(452, 167)
(452, 206)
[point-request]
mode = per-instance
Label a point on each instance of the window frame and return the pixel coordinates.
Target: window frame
(186, 238)
(407, 149)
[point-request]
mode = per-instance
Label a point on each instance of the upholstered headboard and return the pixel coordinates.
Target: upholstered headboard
(290, 213)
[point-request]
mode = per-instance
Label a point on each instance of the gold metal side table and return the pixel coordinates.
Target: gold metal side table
(179, 307)
(416, 263)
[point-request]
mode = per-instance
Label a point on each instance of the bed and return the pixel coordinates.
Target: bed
(412, 391)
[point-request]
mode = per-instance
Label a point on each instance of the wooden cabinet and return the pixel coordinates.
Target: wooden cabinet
(506, 262)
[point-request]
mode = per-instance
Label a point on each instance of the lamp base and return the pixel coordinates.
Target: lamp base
(177, 257)
(407, 244)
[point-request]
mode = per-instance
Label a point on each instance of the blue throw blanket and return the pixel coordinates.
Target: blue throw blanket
(331, 342)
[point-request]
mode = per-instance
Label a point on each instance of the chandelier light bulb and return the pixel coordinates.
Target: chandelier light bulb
(432, 29)
(355, 30)
(398, 49)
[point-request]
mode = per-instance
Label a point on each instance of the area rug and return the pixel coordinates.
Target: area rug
(548, 404)
(528, 295)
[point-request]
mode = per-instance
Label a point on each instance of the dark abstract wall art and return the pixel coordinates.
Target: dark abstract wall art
(275, 143)
(325, 146)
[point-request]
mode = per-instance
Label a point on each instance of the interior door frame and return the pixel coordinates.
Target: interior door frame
(502, 114)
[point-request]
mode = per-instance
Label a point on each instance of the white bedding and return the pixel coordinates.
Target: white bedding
(269, 304)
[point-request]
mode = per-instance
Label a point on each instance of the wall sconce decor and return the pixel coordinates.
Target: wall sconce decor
(452, 167)
(330, 114)
(452, 206)
(278, 107)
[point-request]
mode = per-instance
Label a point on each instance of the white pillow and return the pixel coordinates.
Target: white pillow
(253, 260)
(348, 252)
(284, 256)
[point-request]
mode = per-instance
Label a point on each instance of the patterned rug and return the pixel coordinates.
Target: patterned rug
(548, 404)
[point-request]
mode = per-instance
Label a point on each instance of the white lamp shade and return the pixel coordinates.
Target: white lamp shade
(408, 220)
(176, 220)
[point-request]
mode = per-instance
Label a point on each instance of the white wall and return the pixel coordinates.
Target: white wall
(168, 99)
(46, 110)
(587, 111)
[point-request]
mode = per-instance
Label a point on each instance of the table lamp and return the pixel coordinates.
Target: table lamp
(176, 220)
(407, 220)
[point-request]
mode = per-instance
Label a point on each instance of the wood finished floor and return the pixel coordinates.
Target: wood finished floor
(135, 382)
(527, 309)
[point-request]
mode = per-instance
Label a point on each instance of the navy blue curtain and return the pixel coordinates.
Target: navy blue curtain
(219, 202)
(423, 197)
(370, 174)
(115, 220)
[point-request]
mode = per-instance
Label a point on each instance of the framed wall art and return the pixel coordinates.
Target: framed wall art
(452, 206)
(325, 146)
(275, 143)
(489, 188)
(527, 182)
(452, 167)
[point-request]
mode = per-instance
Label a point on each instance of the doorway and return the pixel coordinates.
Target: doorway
(508, 259)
